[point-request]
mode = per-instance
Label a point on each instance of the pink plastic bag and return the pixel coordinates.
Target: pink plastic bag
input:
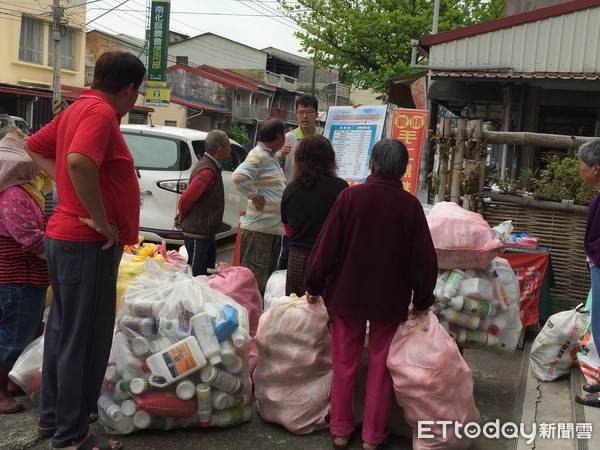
(239, 283)
(432, 382)
(462, 239)
(292, 380)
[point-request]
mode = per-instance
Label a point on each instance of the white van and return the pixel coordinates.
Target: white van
(164, 158)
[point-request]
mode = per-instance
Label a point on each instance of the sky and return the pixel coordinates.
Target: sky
(256, 23)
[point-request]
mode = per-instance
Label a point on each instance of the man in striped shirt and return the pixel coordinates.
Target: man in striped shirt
(261, 179)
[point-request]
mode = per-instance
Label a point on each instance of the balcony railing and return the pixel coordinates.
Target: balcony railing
(282, 81)
(249, 111)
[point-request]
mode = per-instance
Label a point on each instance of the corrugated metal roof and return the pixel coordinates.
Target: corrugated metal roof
(564, 46)
(508, 22)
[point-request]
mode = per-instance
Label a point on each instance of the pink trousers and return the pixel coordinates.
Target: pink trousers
(347, 340)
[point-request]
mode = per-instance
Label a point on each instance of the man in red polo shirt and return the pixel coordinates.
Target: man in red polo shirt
(97, 213)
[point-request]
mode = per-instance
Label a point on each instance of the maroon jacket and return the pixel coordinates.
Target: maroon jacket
(377, 245)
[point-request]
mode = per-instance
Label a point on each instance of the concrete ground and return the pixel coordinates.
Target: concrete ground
(497, 378)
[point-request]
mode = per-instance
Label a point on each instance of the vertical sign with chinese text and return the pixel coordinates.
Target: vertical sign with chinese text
(410, 126)
(418, 89)
(158, 43)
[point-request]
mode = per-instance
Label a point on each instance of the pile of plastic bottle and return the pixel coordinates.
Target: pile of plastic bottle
(480, 307)
(171, 367)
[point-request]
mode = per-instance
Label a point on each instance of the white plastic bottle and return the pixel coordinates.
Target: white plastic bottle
(158, 344)
(140, 346)
(110, 408)
(203, 401)
(476, 288)
(240, 337)
(503, 318)
(241, 400)
(231, 417)
(139, 325)
(454, 279)
(470, 306)
(112, 374)
(173, 329)
(221, 380)
(235, 366)
(139, 385)
(178, 360)
(141, 419)
(185, 389)
(475, 337)
(147, 308)
(128, 365)
(204, 332)
(128, 407)
(462, 319)
(221, 400)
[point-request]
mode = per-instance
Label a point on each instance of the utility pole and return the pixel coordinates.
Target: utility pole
(57, 14)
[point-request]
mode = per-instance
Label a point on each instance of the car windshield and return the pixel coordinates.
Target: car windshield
(154, 152)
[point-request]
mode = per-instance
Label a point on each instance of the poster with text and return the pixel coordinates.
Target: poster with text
(353, 132)
(410, 126)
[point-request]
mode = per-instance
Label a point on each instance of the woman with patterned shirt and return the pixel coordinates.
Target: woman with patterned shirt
(23, 270)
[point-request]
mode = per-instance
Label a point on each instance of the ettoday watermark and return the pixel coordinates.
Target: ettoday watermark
(429, 429)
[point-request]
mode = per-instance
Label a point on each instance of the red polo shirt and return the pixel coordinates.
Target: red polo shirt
(90, 126)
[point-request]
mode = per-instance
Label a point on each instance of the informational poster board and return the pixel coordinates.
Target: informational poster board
(353, 132)
(410, 126)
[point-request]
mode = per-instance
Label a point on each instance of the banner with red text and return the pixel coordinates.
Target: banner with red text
(530, 269)
(410, 126)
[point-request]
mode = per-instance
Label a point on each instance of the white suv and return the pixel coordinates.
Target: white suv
(164, 158)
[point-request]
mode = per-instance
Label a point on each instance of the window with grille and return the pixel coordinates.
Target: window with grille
(30, 44)
(67, 43)
(137, 118)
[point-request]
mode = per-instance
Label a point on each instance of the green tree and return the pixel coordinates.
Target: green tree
(369, 40)
(238, 134)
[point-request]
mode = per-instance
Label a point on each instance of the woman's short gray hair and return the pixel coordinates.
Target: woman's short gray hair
(389, 157)
(589, 152)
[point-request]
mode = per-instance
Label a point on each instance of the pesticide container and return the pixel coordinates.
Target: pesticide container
(177, 361)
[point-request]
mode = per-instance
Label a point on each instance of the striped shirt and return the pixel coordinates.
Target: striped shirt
(261, 174)
(21, 239)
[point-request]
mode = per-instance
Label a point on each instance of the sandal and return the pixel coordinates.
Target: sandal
(343, 446)
(48, 432)
(592, 388)
(589, 399)
(100, 443)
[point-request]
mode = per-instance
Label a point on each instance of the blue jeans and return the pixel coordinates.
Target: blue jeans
(202, 254)
(595, 274)
(22, 307)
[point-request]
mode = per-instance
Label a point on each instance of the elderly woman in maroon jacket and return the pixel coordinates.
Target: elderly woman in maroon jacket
(377, 247)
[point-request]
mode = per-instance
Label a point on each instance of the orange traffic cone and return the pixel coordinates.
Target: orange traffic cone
(238, 239)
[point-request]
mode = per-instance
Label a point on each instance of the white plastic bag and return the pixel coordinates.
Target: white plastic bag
(553, 351)
(275, 288)
(27, 370)
(587, 355)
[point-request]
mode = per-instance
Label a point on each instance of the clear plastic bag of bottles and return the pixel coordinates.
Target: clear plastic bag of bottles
(480, 307)
(179, 356)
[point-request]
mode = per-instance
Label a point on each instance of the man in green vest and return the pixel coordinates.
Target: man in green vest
(307, 111)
